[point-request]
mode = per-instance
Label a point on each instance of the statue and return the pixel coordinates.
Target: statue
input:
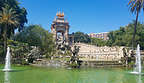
(74, 58)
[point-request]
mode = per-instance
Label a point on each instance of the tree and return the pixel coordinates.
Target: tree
(124, 35)
(136, 6)
(81, 37)
(8, 22)
(16, 15)
(35, 35)
(98, 42)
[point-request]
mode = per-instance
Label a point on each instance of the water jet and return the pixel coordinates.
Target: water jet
(7, 67)
(137, 68)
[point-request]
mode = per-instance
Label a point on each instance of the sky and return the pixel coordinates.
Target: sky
(88, 16)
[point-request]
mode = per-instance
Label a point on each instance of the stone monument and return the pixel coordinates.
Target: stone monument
(60, 29)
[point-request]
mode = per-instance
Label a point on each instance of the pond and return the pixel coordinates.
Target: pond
(28, 74)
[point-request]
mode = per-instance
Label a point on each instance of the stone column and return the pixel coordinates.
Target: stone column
(56, 36)
(63, 37)
(54, 32)
(66, 34)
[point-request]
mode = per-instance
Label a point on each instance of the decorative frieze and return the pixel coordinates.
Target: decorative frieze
(94, 53)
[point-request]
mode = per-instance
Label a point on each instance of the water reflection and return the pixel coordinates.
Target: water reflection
(70, 76)
(139, 80)
(6, 77)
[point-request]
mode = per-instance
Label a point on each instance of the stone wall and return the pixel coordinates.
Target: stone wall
(50, 63)
(94, 53)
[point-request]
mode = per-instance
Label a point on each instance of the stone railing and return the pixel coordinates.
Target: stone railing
(94, 53)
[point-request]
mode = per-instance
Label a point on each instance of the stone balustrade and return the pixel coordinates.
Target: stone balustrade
(94, 53)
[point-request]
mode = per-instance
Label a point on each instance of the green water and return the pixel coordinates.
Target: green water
(27, 74)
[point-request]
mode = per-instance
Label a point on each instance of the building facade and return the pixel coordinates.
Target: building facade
(103, 35)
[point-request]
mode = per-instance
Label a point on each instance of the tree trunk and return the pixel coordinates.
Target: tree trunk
(4, 41)
(133, 39)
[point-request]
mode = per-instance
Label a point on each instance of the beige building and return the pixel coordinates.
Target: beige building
(103, 35)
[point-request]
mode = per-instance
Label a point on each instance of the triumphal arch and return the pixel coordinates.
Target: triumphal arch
(60, 29)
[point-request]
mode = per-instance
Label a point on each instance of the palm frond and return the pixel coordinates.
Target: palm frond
(9, 17)
(136, 5)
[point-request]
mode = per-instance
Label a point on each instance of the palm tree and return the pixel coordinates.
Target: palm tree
(135, 7)
(8, 22)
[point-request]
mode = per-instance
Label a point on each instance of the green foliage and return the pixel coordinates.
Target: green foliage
(81, 37)
(35, 35)
(20, 11)
(98, 42)
(123, 36)
(1, 50)
(84, 38)
(19, 51)
(74, 65)
(15, 16)
(12, 17)
(136, 5)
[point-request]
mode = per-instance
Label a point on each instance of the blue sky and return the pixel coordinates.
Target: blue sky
(89, 16)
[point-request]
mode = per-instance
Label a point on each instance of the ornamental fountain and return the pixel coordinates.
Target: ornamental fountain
(7, 67)
(137, 68)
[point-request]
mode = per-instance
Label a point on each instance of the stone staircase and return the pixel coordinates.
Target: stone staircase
(99, 56)
(101, 64)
